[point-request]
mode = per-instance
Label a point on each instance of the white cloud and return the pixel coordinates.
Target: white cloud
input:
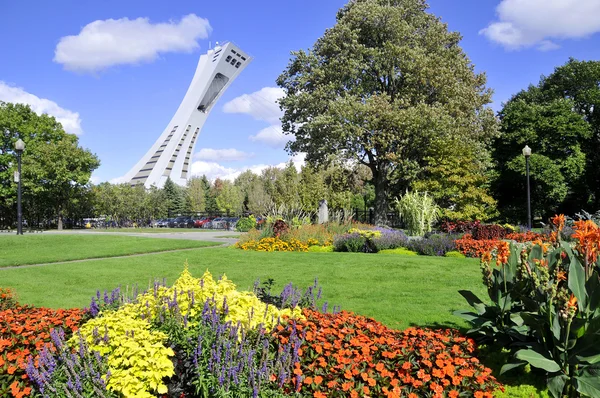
(533, 23)
(261, 105)
(104, 43)
(70, 120)
(272, 136)
(222, 155)
(213, 170)
(118, 180)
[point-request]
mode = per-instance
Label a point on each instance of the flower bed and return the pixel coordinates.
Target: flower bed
(24, 332)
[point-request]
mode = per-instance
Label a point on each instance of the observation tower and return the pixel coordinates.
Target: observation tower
(171, 154)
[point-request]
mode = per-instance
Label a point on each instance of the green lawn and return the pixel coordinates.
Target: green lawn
(47, 248)
(394, 289)
(153, 230)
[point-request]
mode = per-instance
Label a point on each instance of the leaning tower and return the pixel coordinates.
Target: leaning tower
(171, 154)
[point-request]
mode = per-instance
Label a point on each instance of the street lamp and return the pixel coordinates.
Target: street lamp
(19, 148)
(527, 154)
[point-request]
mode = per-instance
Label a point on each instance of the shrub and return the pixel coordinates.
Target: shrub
(353, 243)
(418, 212)
(458, 227)
(245, 224)
(455, 254)
(321, 249)
(488, 232)
(347, 355)
(389, 239)
(545, 307)
(279, 227)
(400, 250)
(436, 245)
(528, 236)
(310, 234)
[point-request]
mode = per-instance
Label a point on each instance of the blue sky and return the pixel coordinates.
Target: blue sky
(114, 72)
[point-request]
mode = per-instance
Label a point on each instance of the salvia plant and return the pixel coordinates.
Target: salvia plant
(546, 307)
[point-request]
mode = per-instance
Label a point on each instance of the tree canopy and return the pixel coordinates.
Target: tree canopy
(559, 119)
(55, 172)
(388, 86)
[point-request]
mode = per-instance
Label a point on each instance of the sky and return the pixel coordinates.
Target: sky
(114, 72)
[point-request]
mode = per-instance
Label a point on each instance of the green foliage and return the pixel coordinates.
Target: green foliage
(400, 250)
(455, 254)
(56, 170)
(173, 197)
(546, 308)
(321, 249)
(559, 120)
(359, 93)
(245, 224)
(195, 195)
(418, 212)
(229, 198)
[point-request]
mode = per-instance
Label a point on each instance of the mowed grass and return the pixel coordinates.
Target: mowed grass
(154, 230)
(48, 248)
(397, 290)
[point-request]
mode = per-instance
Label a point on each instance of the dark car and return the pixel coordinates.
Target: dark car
(185, 222)
(174, 222)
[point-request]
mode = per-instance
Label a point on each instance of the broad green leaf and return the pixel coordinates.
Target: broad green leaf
(473, 300)
(512, 365)
(556, 385)
(577, 282)
(588, 385)
(537, 360)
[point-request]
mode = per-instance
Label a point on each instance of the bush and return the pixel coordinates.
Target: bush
(390, 239)
(436, 245)
(273, 245)
(400, 250)
(310, 233)
(455, 254)
(353, 243)
(488, 232)
(321, 249)
(245, 224)
(458, 227)
(279, 228)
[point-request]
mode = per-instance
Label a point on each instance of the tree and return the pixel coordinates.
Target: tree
(174, 197)
(561, 133)
(229, 198)
(55, 168)
(384, 86)
(195, 195)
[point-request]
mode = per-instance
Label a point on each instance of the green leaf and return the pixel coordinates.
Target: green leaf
(577, 282)
(468, 316)
(537, 360)
(588, 385)
(556, 385)
(512, 365)
(473, 300)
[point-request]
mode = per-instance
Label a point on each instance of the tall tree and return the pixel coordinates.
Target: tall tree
(229, 198)
(385, 85)
(55, 168)
(195, 195)
(174, 196)
(560, 120)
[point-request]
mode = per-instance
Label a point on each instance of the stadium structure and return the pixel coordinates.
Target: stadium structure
(171, 154)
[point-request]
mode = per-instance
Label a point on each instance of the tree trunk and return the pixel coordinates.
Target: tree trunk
(60, 219)
(381, 195)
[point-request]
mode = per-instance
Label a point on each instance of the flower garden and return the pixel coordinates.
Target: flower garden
(203, 337)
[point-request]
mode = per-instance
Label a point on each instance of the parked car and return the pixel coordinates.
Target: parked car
(185, 222)
(174, 222)
(199, 223)
(217, 223)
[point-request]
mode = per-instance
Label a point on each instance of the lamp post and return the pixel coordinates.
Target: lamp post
(527, 154)
(19, 148)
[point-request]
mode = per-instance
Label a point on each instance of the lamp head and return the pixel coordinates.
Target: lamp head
(527, 151)
(19, 145)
